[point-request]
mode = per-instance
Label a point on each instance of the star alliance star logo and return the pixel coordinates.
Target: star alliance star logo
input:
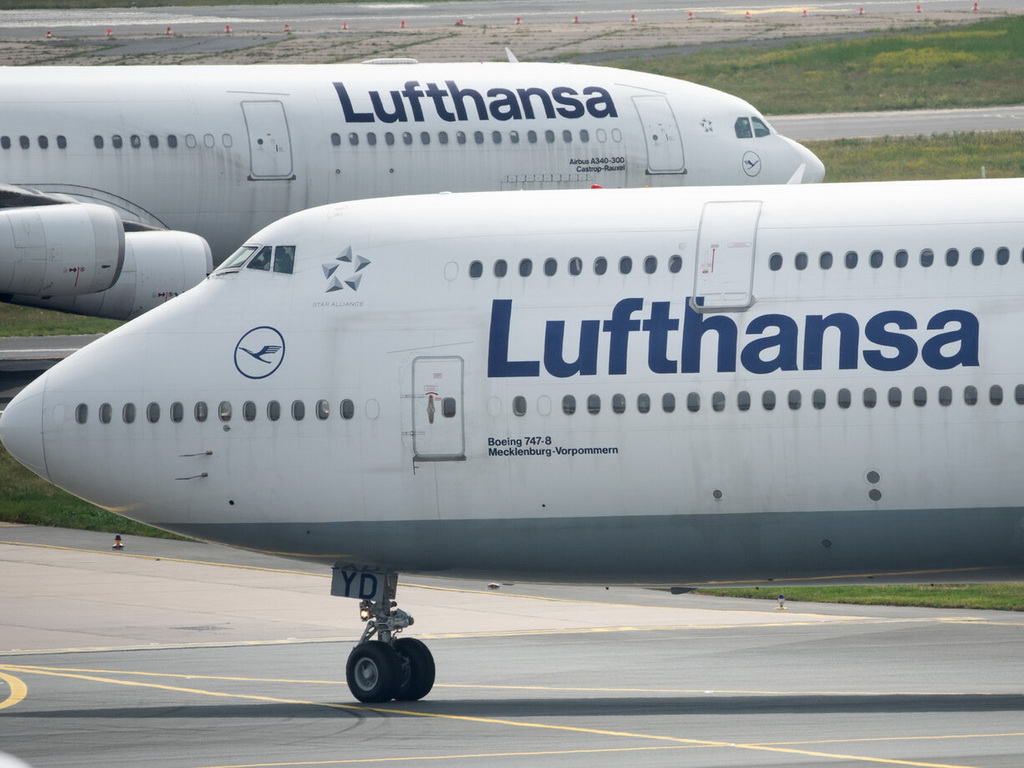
(344, 271)
(706, 125)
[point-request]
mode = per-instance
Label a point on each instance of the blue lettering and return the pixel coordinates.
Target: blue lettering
(554, 341)
(814, 340)
(695, 325)
(876, 330)
(966, 337)
(784, 342)
(498, 365)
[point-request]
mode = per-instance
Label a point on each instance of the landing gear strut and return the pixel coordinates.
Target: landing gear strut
(387, 667)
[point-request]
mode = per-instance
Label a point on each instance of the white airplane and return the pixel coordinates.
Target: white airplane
(611, 386)
(165, 158)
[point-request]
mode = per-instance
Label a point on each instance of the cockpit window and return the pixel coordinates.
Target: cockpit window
(262, 259)
(284, 259)
(743, 128)
(239, 257)
(760, 128)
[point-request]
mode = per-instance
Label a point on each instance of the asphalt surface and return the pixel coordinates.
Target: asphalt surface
(175, 655)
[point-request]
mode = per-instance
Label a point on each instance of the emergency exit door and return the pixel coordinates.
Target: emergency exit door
(661, 133)
(270, 144)
(438, 423)
(724, 276)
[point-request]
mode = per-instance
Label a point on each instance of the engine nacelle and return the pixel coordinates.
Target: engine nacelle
(158, 265)
(60, 250)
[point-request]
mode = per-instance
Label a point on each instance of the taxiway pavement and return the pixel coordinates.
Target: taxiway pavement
(183, 655)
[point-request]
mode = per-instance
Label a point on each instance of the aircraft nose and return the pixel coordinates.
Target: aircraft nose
(21, 428)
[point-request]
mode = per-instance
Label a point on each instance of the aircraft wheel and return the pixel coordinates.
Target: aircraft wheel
(372, 672)
(416, 671)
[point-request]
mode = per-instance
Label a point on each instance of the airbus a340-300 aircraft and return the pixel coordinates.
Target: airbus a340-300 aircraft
(215, 153)
(620, 386)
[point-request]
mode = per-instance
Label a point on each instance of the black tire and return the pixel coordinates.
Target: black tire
(372, 672)
(416, 670)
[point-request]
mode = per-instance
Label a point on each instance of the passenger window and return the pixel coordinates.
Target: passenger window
(901, 259)
(668, 402)
(476, 269)
(82, 413)
(895, 397)
(971, 395)
(870, 398)
(775, 262)
(348, 409)
(525, 268)
(154, 142)
(995, 395)
(284, 259)
(128, 413)
(25, 143)
(675, 264)
(389, 138)
(651, 265)
(1002, 256)
(619, 403)
(262, 260)
(153, 413)
(249, 410)
(323, 410)
(567, 136)
(273, 410)
(743, 401)
(594, 404)
(718, 401)
(568, 405)
(201, 411)
(818, 399)
(424, 137)
(336, 139)
(875, 259)
(442, 137)
(584, 135)
(945, 395)
(44, 142)
(927, 257)
(851, 259)
(513, 136)
(298, 410)
(625, 265)
(407, 138)
(496, 137)
(460, 136)
(575, 266)
(371, 139)
(550, 267)
(844, 398)
(794, 399)
(800, 261)
(768, 400)
(5, 142)
(952, 257)
(531, 136)
(920, 396)
(478, 137)
(1018, 394)
(224, 411)
(760, 129)
(643, 403)
(448, 407)
(977, 256)
(743, 128)
(549, 136)
(500, 268)
(693, 402)
(825, 260)
(106, 412)
(600, 265)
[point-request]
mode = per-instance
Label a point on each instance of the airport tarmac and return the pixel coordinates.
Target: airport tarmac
(183, 655)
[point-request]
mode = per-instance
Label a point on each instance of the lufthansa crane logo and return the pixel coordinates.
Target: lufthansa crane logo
(259, 352)
(751, 163)
(345, 271)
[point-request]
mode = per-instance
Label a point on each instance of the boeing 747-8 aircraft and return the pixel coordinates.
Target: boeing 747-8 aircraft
(621, 386)
(177, 165)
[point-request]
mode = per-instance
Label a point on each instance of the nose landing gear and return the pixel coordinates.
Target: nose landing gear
(387, 667)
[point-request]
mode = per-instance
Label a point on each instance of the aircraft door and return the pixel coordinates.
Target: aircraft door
(270, 144)
(438, 432)
(664, 144)
(724, 275)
